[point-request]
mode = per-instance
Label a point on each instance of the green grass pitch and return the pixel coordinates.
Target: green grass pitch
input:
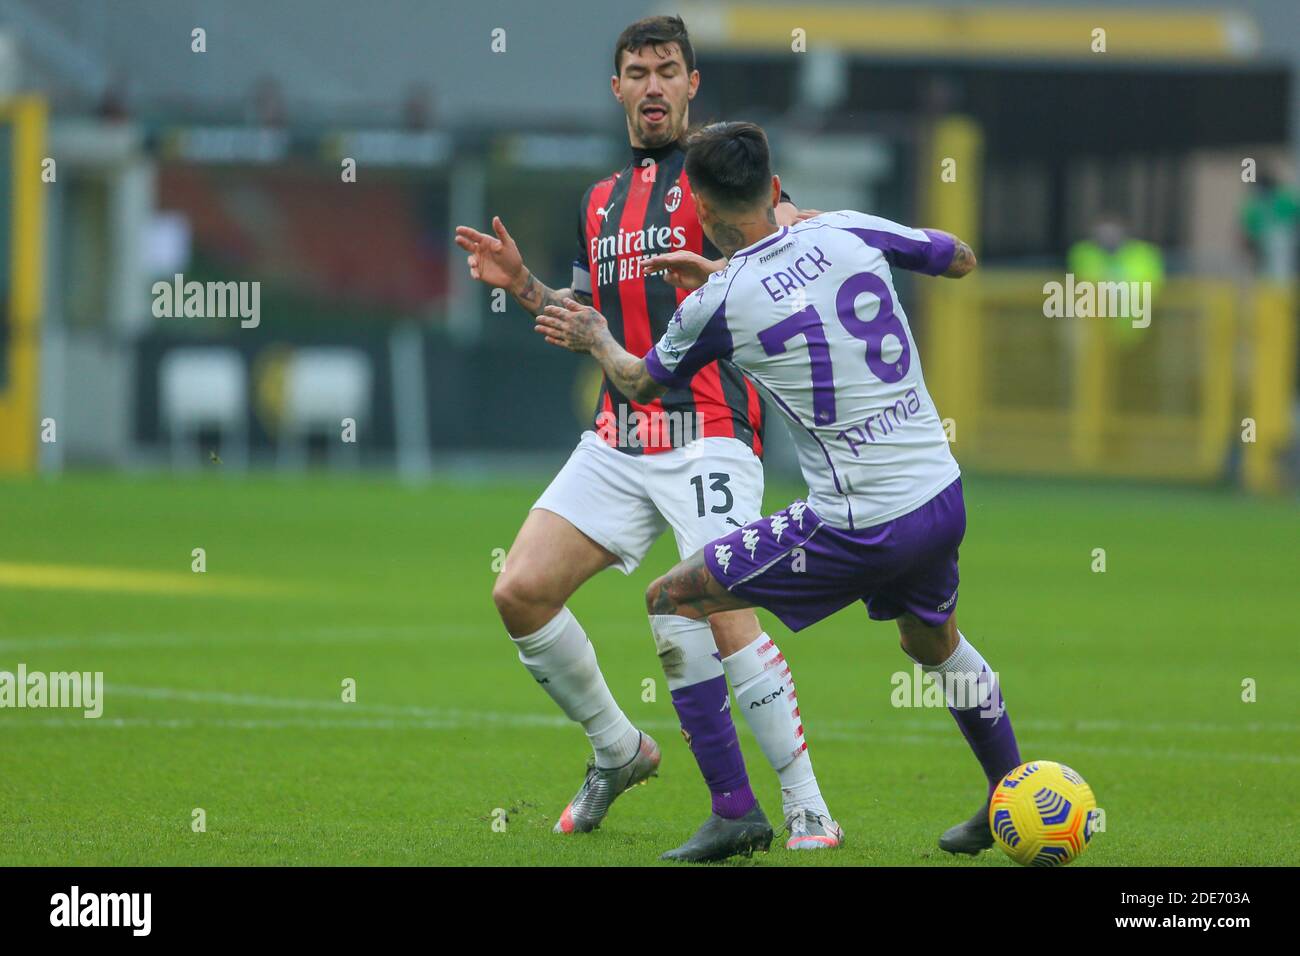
(224, 689)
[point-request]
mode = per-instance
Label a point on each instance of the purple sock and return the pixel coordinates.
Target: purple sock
(988, 731)
(711, 735)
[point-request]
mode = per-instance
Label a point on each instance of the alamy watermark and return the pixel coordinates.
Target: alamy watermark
(655, 429)
(179, 299)
(1082, 299)
(133, 911)
(75, 690)
(960, 690)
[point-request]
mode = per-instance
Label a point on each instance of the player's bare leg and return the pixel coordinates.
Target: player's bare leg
(549, 560)
(983, 721)
(766, 695)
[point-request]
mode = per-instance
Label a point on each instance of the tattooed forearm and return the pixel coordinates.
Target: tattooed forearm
(536, 296)
(585, 330)
(626, 372)
(689, 590)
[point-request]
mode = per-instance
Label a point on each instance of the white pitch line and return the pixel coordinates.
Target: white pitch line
(113, 639)
(830, 729)
(936, 722)
(415, 632)
(304, 723)
(1049, 725)
(410, 717)
(234, 723)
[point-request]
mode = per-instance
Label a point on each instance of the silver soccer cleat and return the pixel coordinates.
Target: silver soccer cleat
(588, 807)
(810, 830)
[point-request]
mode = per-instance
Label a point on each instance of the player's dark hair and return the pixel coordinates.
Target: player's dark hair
(654, 32)
(729, 163)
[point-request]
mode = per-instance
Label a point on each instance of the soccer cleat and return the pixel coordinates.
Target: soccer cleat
(588, 807)
(719, 838)
(970, 837)
(810, 830)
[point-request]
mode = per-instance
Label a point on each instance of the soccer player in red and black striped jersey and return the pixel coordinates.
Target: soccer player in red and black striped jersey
(689, 461)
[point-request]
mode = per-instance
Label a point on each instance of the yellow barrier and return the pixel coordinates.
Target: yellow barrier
(1214, 372)
(1270, 397)
(1029, 393)
(25, 117)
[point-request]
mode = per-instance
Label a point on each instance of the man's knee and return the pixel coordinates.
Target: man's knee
(522, 597)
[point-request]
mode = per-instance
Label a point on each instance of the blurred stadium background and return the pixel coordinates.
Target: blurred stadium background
(226, 165)
(128, 439)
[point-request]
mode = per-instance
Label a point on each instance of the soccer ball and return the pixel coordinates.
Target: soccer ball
(1043, 814)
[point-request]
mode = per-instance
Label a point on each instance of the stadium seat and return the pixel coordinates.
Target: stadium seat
(324, 386)
(204, 388)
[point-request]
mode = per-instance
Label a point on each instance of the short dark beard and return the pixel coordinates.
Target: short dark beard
(648, 143)
(672, 134)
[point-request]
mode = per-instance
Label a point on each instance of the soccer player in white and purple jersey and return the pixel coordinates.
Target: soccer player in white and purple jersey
(810, 312)
(688, 460)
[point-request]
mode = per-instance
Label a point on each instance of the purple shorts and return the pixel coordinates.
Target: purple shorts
(803, 570)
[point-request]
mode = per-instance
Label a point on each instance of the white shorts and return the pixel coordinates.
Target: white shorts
(624, 502)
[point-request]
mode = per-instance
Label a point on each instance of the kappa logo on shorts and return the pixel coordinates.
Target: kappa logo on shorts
(722, 554)
(749, 538)
(796, 513)
(948, 603)
(779, 524)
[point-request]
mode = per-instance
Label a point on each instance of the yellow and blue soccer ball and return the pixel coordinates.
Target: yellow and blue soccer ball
(1043, 814)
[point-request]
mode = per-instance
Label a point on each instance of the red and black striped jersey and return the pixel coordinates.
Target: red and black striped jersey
(642, 210)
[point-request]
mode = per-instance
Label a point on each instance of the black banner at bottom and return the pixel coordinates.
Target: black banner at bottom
(333, 905)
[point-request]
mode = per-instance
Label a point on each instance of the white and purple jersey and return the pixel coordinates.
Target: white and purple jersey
(812, 315)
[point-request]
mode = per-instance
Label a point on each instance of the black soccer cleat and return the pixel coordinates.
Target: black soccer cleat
(719, 838)
(970, 837)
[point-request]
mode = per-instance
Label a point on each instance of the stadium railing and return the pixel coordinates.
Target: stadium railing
(1211, 380)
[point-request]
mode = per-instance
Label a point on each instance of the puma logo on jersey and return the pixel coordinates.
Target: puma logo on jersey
(602, 212)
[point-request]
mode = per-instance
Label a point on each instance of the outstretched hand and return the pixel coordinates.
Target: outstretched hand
(494, 260)
(681, 269)
(574, 326)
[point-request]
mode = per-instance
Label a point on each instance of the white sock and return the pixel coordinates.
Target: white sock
(562, 660)
(686, 649)
(965, 676)
(765, 693)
